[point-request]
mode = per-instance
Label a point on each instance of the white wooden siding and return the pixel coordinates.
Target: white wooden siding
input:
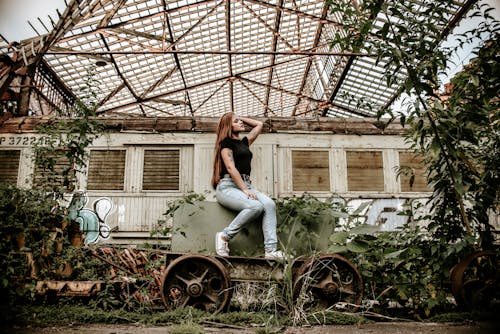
(203, 166)
(135, 211)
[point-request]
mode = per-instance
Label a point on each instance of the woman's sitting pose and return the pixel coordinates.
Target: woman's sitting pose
(233, 187)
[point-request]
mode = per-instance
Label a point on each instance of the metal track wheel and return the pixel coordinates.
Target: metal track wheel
(475, 281)
(198, 281)
(330, 280)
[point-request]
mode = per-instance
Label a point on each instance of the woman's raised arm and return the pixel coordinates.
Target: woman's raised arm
(256, 128)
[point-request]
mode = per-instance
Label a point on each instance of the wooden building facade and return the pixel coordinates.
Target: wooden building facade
(140, 168)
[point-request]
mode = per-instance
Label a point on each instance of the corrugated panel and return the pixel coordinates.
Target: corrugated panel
(203, 167)
(9, 167)
(408, 160)
(365, 171)
(310, 171)
(161, 170)
(106, 170)
(262, 168)
(136, 213)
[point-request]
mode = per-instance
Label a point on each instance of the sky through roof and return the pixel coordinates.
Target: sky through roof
(206, 57)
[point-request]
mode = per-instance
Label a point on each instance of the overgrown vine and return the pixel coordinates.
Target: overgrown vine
(449, 135)
(35, 221)
(63, 152)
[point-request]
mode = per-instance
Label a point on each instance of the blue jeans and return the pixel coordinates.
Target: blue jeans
(230, 196)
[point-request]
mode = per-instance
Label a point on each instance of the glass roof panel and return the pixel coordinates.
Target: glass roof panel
(206, 57)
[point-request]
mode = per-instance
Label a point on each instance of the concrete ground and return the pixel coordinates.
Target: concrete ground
(373, 328)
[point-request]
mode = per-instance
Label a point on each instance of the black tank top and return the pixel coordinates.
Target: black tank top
(241, 154)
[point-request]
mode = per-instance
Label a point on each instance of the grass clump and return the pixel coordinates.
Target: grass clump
(186, 328)
(334, 318)
(487, 316)
(240, 318)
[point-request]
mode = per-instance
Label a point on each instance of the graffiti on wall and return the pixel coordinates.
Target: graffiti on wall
(92, 221)
(386, 213)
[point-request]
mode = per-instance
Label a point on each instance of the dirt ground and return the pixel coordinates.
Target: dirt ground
(374, 328)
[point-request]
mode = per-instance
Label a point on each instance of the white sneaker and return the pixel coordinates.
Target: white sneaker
(275, 255)
(221, 245)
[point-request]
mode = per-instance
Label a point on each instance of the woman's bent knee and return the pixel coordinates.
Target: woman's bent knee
(270, 205)
(256, 206)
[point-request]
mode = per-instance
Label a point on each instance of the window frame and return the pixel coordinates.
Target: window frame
(329, 169)
(162, 148)
(59, 182)
(382, 152)
(400, 181)
(19, 160)
(125, 165)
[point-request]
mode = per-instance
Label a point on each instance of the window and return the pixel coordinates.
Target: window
(310, 171)
(161, 170)
(365, 171)
(9, 166)
(54, 169)
(106, 170)
(412, 173)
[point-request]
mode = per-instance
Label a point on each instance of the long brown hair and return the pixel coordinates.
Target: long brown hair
(224, 129)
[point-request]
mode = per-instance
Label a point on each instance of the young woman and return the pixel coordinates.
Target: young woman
(233, 188)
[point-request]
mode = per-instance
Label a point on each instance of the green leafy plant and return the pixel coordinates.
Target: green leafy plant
(468, 128)
(164, 226)
(457, 138)
(405, 269)
(38, 214)
(304, 226)
(63, 152)
(27, 215)
(303, 222)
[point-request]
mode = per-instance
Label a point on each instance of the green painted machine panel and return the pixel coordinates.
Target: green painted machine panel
(195, 225)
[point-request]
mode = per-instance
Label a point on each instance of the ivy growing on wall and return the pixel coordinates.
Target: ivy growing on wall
(68, 134)
(34, 224)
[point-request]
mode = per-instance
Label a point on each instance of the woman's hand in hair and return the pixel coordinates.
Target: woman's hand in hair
(256, 128)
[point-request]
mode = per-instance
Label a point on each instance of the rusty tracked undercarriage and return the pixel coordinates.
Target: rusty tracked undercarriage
(192, 276)
(206, 282)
